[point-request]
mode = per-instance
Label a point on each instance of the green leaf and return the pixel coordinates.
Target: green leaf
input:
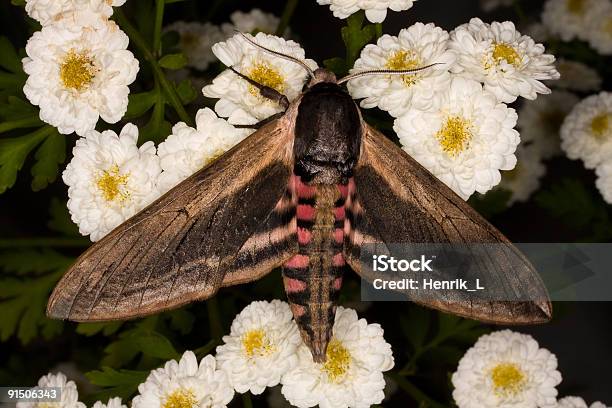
(50, 154)
(415, 326)
(121, 383)
(13, 153)
(336, 65)
(32, 261)
(18, 2)
(356, 36)
(181, 320)
(492, 203)
(59, 220)
(15, 108)
(91, 329)
(10, 59)
(140, 103)
(186, 92)
(173, 61)
(156, 345)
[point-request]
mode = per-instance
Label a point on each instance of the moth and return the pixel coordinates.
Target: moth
(304, 193)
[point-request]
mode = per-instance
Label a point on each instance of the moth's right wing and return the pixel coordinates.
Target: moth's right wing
(229, 223)
(395, 200)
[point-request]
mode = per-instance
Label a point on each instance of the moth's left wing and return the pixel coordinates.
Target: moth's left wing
(229, 223)
(394, 200)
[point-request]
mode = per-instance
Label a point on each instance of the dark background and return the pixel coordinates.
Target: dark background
(581, 333)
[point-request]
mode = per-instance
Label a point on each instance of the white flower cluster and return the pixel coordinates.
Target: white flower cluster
(78, 65)
(110, 178)
(453, 117)
(509, 369)
(375, 10)
(264, 349)
(196, 39)
(587, 20)
(587, 135)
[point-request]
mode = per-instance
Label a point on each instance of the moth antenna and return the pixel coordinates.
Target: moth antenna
(278, 54)
(386, 72)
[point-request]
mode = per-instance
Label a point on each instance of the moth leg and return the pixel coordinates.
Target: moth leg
(261, 123)
(266, 91)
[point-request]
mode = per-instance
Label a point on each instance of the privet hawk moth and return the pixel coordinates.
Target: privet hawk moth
(304, 192)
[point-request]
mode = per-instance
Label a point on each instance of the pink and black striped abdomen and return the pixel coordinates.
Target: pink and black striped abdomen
(313, 277)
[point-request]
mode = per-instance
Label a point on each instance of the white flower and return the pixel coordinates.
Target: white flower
(414, 47)
(586, 133)
(577, 76)
(252, 22)
(357, 355)
(490, 5)
(241, 102)
(185, 384)
(604, 180)
(49, 11)
(69, 393)
(506, 369)
(599, 30)
(261, 346)
(577, 402)
(112, 403)
(569, 19)
(187, 150)
(466, 141)
(196, 41)
(79, 75)
(540, 121)
(110, 179)
(375, 10)
(524, 179)
(538, 31)
(508, 63)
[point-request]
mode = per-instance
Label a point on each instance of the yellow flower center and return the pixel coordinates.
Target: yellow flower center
(112, 184)
(77, 70)
(256, 343)
(508, 379)
(576, 6)
(338, 361)
(181, 398)
(506, 52)
(401, 60)
(455, 135)
(600, 125)
(264, 74)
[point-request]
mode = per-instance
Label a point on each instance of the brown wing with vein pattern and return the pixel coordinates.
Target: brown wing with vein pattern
(396, 200)
(222, 226)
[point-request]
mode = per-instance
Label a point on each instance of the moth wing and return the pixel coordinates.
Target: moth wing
(221, 226)
(396, 200)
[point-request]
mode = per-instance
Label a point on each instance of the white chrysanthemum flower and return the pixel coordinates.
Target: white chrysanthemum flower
(241, 102)
(351, 376)
(577, 402)
(490, 5)
(577, 76)
(604, 180)
(253, 22)
(110, 179)
(586, 133)
(417, 46)
(49, 11)
(77, 76)
(466, 141)
(506, 369)
(375, 10)
(261, 346)
(508, 63)
(569, 19)
(112, 403)
(196, 41)
(185, 384)
(599, 30)
(540, 121)
(188, 150)
(524, 179)
(69, 393)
